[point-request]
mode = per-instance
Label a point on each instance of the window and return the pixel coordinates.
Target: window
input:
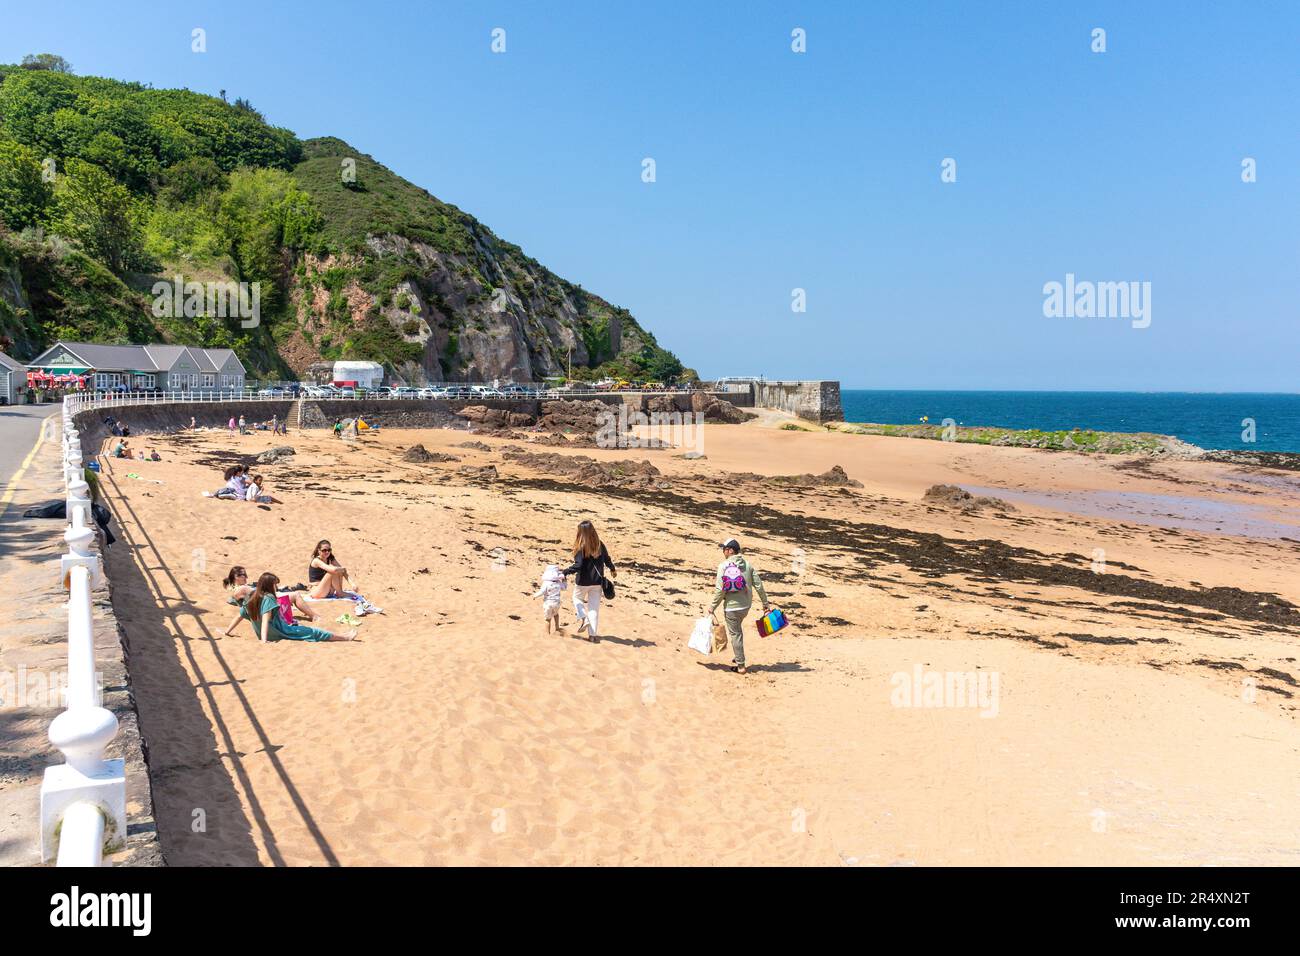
(209, 380)
(144, 381)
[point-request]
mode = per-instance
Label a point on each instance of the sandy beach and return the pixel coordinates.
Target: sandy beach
(1141, 706)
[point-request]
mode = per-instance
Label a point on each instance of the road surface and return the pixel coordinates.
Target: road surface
(20, 426)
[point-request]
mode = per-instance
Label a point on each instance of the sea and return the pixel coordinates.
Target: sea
(1226, 420)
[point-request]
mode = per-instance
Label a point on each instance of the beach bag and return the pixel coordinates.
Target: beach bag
(733, 578)
(702, 637)
(771, 622)
(719, 637)
(607, 588)
(286, 608)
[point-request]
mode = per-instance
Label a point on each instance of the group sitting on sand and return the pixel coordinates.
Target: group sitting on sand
(123, 450)
(272, 613)
(241, 485)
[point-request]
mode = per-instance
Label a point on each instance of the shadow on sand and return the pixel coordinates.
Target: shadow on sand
(180, 743)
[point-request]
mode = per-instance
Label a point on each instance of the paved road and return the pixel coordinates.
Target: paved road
(20, 425)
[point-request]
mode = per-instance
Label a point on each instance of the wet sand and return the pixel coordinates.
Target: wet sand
(1147, 677)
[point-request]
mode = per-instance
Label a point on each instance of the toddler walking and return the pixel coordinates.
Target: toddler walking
(553, 585)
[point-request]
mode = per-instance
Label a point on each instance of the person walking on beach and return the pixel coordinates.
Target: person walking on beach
(734, 589)
(243, 426)
(232, 424)
(589, 558)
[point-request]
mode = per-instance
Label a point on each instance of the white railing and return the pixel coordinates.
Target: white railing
(83, 801)
(84, 401)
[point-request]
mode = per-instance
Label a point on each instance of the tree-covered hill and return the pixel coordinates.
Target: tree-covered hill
(108, 187)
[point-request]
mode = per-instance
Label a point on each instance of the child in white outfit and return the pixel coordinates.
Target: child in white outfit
(553, 585)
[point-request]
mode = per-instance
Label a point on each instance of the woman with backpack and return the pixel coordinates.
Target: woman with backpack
(736, 583)
(589, 558)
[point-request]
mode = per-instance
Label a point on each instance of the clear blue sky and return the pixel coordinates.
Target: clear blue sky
(819, 170)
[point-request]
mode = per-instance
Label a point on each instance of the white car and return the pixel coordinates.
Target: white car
(485, 391)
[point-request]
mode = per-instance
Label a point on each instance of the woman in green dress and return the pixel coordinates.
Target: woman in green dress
(263, 610)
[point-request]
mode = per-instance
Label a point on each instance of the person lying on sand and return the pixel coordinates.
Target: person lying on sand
(263, 609)
(254, 493)
(736, 582)
(239, 590)
(324, 574)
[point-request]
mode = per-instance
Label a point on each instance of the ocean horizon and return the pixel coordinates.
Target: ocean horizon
(1211, 420)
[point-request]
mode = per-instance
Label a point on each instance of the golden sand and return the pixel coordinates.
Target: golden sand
(1137, 720)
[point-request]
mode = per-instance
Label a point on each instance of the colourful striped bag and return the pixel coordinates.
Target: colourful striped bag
(771, 622)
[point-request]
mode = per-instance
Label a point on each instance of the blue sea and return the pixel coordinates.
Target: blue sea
(1211, 420)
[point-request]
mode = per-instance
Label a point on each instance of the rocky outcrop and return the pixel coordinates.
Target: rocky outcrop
(639, 475)
(952, 496)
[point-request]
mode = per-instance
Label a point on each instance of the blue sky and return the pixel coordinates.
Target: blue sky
(820, 170)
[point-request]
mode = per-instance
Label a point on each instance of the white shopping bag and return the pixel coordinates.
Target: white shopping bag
(702, 636)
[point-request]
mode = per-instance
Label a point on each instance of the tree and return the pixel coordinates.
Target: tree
(100, 215)
(46, 61)
(24, 194)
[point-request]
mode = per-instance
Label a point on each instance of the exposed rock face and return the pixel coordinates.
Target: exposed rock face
(836, 477)
(418, 453)
(595, 474)
(272, 455)
(483, 472)
(721, 411)
(495, 418)
(952, 496)
(444, 298)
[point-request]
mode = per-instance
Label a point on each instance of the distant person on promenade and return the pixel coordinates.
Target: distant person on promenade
(263, 609)
(324, 574)
(589, 559)
(734, 589)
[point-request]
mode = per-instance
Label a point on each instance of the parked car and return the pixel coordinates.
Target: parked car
(406, 391)
(275, 391)
(485, 391)
(433, 393)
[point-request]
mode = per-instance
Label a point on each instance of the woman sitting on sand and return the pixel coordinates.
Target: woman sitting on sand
(324, 574)
(239, 590)
(263, 610)
(589, 556)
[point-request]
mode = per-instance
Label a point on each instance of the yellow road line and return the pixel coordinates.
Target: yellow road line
(12, 487)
